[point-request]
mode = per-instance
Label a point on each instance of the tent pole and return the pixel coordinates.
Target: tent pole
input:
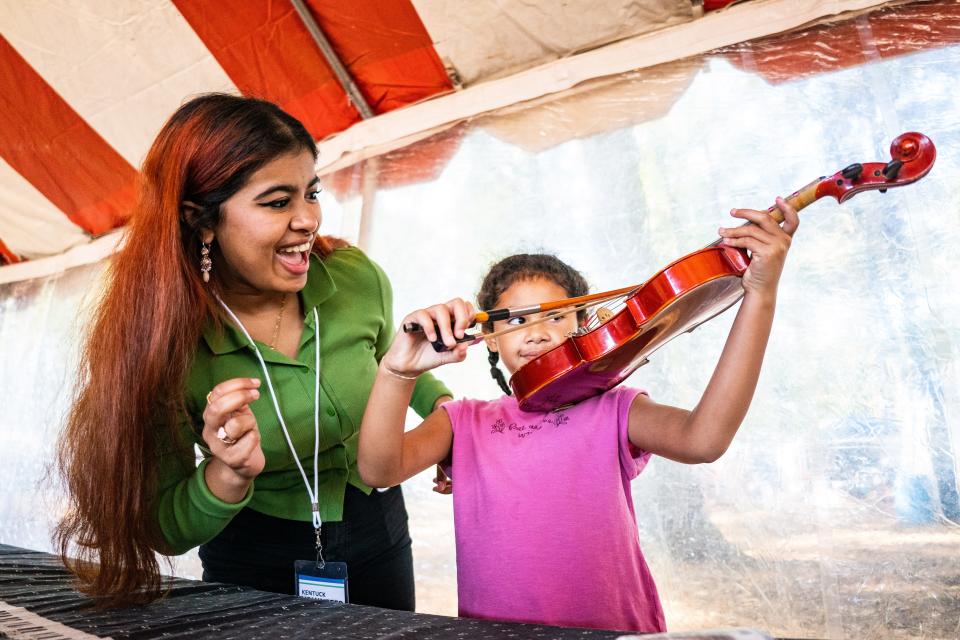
(343, 76)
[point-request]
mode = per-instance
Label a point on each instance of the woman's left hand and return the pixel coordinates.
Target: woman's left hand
(768, 243)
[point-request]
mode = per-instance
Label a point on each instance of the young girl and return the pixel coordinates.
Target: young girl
(545, 524)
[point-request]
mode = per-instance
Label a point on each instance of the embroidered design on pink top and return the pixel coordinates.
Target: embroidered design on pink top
(524, 430)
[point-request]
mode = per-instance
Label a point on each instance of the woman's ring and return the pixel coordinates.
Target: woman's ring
(224, 438)
(209, 396)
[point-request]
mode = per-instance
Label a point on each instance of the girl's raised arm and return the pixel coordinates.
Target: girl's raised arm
(703, 435)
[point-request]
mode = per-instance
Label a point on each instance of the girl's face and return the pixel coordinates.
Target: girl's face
(523, 345)
(267, 228)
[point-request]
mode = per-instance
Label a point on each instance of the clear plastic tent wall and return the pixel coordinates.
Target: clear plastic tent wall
(835, 512)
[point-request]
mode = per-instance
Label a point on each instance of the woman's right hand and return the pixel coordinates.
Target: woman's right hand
(412, 353)
(238, 458)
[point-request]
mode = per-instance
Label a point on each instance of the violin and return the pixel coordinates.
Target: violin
(689, 291)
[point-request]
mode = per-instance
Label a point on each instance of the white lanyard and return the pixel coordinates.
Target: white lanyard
(312, 493)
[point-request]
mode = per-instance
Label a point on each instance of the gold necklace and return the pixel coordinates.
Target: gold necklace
(276, 326)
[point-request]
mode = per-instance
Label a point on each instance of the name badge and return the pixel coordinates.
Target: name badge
(321, 582)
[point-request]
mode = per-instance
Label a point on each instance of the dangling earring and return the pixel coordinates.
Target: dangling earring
(205, 262)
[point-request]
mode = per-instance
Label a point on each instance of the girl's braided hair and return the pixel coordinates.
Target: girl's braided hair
(525, 266)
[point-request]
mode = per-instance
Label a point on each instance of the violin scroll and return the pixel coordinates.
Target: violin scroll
(912, 156)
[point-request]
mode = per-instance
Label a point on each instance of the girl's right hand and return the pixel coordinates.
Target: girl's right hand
(411, 353)
(237, 447)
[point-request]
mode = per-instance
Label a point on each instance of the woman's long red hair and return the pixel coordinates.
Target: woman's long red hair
(144, 334)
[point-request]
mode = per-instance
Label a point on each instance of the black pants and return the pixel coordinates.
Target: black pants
(258, 550)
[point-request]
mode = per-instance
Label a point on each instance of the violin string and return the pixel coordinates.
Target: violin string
(608, 309)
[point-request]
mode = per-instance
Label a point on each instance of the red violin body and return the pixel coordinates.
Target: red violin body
(687, 293)
(690, 291)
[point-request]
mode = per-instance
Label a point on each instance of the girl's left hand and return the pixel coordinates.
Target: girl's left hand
(411, 353)
(768, 243)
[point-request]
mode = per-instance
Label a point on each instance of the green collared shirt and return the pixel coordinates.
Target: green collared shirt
(354, 302)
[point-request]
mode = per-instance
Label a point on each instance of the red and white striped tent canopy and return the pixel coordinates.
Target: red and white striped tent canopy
(85, 86)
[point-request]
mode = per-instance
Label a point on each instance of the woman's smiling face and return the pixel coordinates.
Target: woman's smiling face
(268, 227)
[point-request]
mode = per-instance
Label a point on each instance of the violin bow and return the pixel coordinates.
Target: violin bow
(566, 307)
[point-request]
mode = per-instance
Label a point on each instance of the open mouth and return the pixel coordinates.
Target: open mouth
(295, 258)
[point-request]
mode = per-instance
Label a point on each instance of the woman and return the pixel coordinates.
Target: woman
(218, 312)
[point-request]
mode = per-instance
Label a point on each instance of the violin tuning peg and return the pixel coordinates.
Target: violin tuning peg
(891, 169)
(853, 171)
